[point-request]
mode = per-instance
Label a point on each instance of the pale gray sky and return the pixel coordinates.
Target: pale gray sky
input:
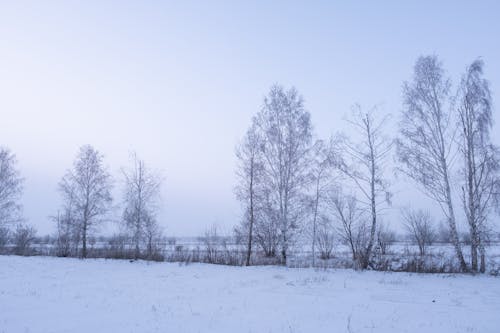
(179, 81)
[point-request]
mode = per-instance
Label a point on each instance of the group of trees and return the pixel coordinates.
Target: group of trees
(86, 191)
(87, 201)
(292, 185)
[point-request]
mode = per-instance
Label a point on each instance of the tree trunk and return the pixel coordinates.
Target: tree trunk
(84, 240)
(451, 216)
(366, 259)
(314, 223)
(250, 229)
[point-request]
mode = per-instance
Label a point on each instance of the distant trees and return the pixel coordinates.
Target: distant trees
(141, 201)
(481, 159)
(425, 144)
(86, 192)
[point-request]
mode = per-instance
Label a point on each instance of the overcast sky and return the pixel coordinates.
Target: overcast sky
(178, 83)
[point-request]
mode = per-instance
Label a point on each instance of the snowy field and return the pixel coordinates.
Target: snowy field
(42, 294)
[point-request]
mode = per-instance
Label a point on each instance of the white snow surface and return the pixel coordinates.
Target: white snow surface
(42, 294)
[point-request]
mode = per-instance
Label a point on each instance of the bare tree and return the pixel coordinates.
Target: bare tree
(141, 199)
(286, 129)
(249, 173)
(426, 138)
(88, 186)
(4, 238)
(325, 237)
(320, 172)
(67, 226)
(352, 228)
(11, 187)
(385, 238)
(23, 238)
(481, 165)
(364, 164)
(418, 224)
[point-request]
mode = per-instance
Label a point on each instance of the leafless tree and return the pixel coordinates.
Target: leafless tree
(4, 238)
(385, 238)
(481, 167)
(418, 224)
(325, 237)
(23, 238)
(249, 173)
(352, 227)
(427, 132)
(286, 129)
(88, 185)
(212, 242)
(364, 164)
(141, 200)
(321, 166)
(11, 187)
(67, 226)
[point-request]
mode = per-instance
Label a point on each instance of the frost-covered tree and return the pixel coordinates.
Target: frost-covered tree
(481, 159)
(249, 173)
(364, 163)
(286, 129)
(141, 200)
(88, 187)
(11, 188)
(425, 144)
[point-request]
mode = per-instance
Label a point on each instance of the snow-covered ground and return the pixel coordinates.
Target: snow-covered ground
(42, 294)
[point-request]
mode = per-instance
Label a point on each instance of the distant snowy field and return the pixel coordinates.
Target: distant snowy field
(42, 294)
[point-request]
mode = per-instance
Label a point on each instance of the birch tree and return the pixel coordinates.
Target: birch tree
(425, 145)
(286, 130)
(11, 188)
(481, 166)
(88, 186)
(249, 173)
(141, 200)
(363, 163)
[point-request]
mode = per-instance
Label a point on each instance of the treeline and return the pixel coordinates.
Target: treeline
(293, 185)
(295, 188)
(87, 204)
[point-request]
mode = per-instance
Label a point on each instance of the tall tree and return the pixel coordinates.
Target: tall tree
(286, 129)
(88, 187)
(141, 198)
(425, 145)
(364, 163)
(481, 163)
(249, 172)
(11, 188)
